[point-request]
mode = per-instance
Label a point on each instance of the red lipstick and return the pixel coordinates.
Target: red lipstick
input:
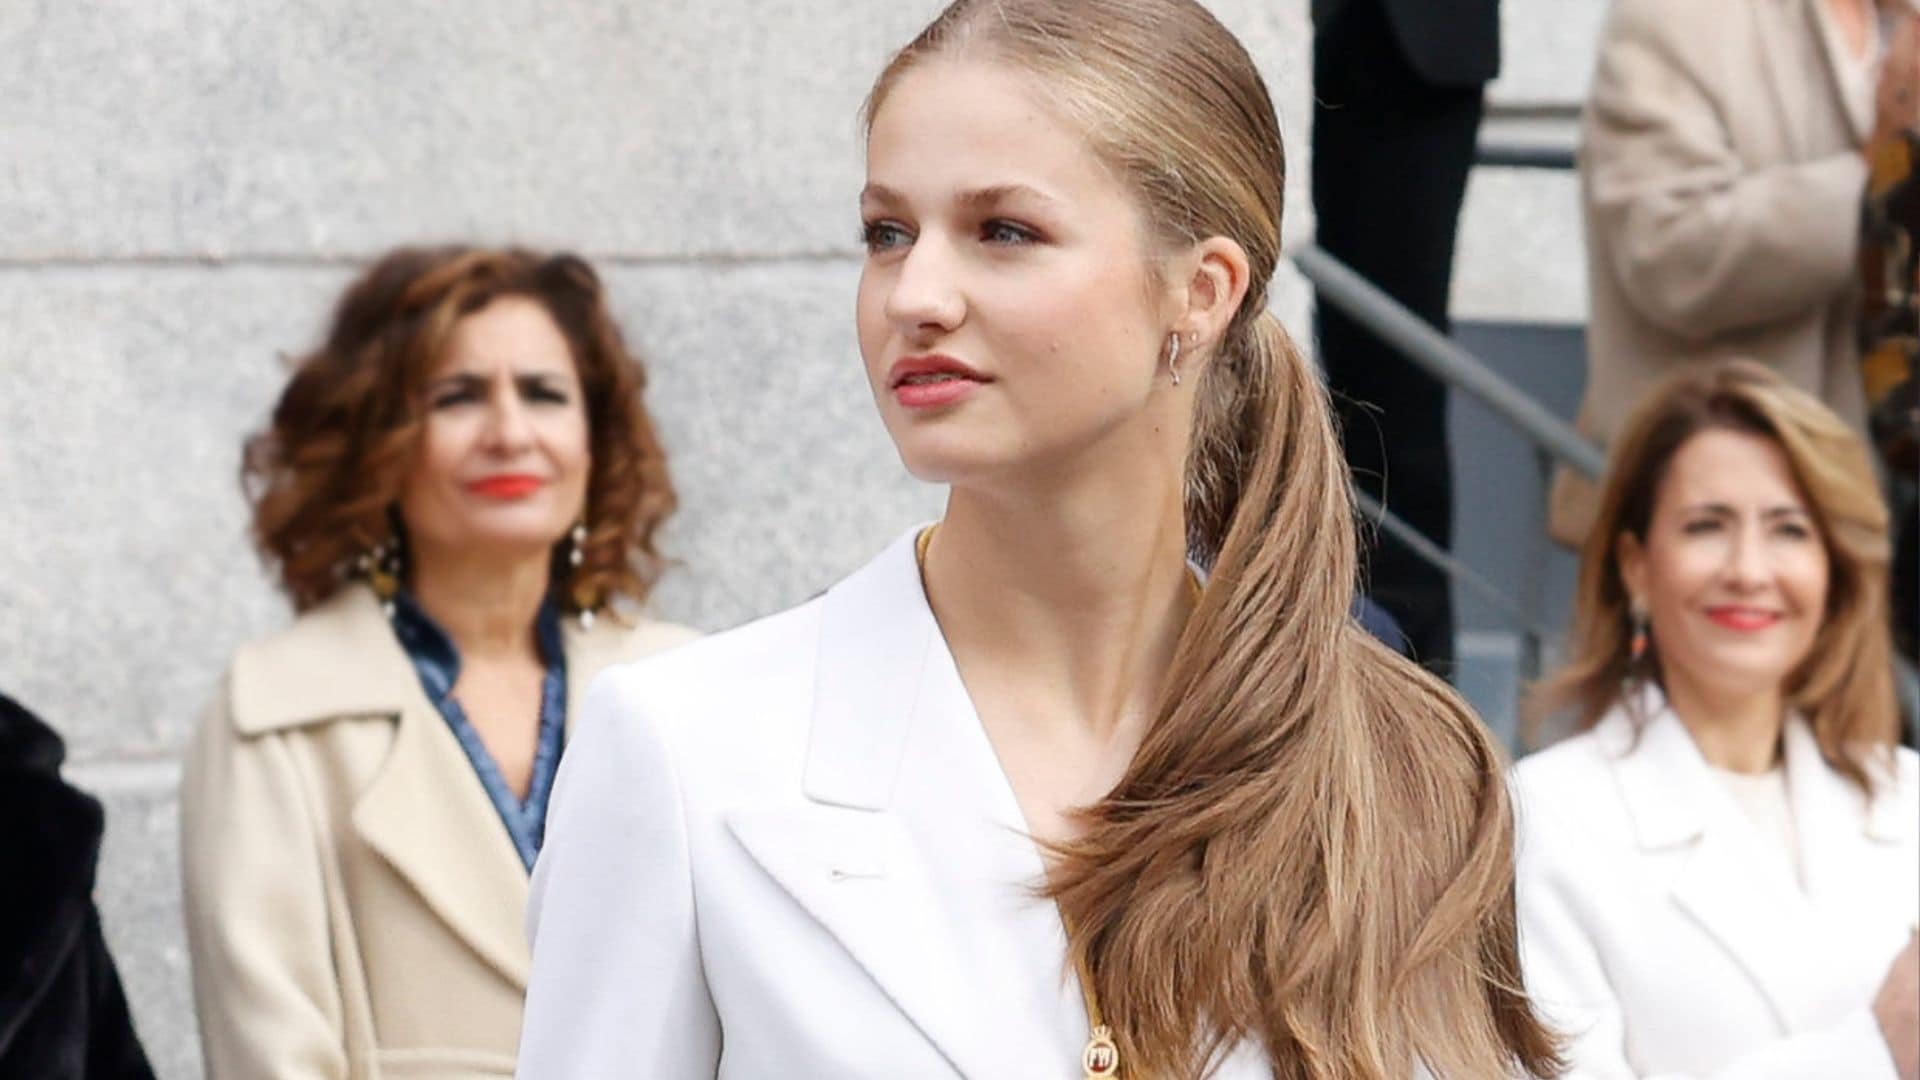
(1744, 619)
(932, 381)
(506, 486)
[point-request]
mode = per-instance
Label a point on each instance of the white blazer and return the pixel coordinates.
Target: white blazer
(789, 850)
(1670, 938)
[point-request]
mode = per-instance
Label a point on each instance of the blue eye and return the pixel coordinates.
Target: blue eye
(999, 231)
(881, 236)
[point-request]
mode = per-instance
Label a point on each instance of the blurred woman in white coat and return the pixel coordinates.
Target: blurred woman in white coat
(1720, 877)
(1021, 799)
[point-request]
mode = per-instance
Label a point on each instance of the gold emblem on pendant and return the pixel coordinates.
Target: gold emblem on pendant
(1101, 1058)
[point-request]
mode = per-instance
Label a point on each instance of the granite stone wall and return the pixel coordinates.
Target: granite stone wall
(186, 184)
(1521, 253)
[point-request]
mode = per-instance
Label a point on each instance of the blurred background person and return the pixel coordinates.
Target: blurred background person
(1724, 169)
(455, 491)
(1890, 330)
(1398, 96)
(1720, 876)
(62, 1013)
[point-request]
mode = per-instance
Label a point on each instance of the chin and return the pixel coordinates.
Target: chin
(515, 542)
(1739, 673)
(940, 455)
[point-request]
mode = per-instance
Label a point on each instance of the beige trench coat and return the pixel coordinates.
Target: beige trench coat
(354, 905)
(1721, 181)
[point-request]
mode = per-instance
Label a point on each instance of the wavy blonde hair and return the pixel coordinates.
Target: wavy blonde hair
(1313, 847)
(1845, 685)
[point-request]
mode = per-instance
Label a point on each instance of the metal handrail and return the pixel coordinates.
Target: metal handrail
(1435, 555)
(1506, 155)
(1444, 359)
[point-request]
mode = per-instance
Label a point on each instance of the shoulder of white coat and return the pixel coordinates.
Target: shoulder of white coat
(726, 691)
(615, 640)
(1567, 785)
(1906, 779)
(1561, 770)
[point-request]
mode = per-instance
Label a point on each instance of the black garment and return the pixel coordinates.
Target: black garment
(62, 1013)
(1398, 100)
(1448, 42)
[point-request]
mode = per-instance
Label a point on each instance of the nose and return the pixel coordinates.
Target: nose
(1748, 567)
(925, 299)
(508, 429)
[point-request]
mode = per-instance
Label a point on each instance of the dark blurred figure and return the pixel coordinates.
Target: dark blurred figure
(62, 1013)
(1398, 88)
(1890, 315)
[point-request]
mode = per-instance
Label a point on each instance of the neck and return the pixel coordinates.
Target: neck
(1736, 730)
(1077, 594)
(486, 603)
(1855, 21)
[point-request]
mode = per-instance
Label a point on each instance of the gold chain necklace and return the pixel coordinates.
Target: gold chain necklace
(1101, 1058)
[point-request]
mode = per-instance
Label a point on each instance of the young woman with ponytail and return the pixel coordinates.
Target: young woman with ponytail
(1097, 776)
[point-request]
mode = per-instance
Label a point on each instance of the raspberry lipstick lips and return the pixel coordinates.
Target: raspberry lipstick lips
(930, 382)
(507, 486)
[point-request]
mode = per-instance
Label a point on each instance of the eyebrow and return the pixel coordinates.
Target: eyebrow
(469, 378)
(973, 198)
(1724, 508)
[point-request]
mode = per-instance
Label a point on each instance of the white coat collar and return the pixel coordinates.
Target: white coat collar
(844, 856)
(1671, 793)
(1728, 878)
(885, 689)
(875, 637)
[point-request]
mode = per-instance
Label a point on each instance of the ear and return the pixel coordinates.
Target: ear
(1631, 555)
(1215, 274)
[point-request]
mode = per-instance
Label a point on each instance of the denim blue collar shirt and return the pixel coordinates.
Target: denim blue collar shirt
(437, 662)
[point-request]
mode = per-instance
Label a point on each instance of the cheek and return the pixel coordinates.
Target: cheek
(1809, 579)
(571, 445)
(443, 446)
(870, 324)
(1679, 570)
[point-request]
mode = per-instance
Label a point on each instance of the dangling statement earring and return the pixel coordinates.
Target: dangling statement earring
(1637, 618)
(380, 565)
(577, 555)
(1173, 356)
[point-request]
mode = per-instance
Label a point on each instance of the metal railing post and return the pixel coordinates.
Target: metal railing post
(1444, 359)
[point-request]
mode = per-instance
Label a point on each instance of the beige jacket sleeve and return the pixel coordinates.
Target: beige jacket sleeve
(263, 973)
(1703, 242)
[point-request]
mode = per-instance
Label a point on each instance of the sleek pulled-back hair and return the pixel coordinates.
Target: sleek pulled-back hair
(1312, 848)
(325, 474)
(1845, 685)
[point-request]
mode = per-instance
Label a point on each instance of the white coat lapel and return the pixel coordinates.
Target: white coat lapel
(1844, 837)
(855, 872)
(1741, 894)
(849, 860)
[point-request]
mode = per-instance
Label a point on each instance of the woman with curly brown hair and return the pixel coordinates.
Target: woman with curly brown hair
(460, 492)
